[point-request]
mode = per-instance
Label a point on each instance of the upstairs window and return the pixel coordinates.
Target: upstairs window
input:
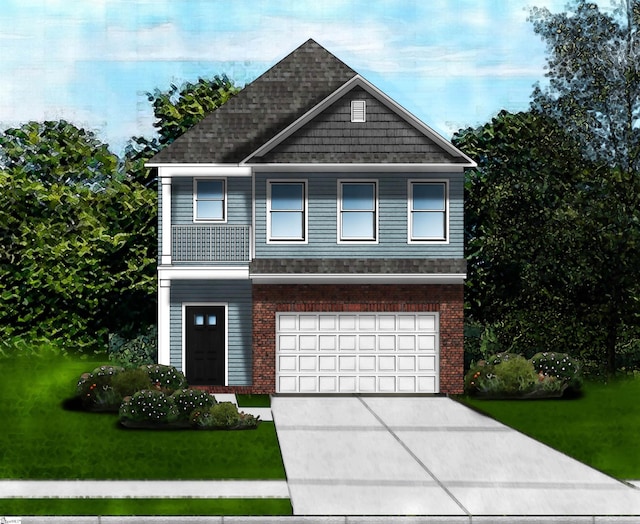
(287, 214)
(357, 219)
(209, 200)
(428, 211)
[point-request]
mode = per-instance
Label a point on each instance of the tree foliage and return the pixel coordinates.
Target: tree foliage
(74, 262)
(594, 93)
(593, 67)
(56, 152)
(178, 109)
(520, 221)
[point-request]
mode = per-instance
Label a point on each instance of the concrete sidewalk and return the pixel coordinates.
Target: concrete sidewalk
(430, 456)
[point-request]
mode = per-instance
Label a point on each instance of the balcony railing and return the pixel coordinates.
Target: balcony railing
(211, 243)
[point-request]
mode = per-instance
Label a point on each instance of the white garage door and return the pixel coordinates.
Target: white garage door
(357, 352)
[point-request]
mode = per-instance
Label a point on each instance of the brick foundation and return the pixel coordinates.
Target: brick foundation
(271, 298)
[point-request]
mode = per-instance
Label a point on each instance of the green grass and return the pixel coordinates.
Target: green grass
(164, 507)
(42, 440)
(600, 428)
(253, 401)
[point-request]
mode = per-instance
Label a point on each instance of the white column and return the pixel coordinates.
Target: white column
(164, 321)
(165, 258)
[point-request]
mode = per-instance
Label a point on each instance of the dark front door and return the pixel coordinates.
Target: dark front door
(205, 345)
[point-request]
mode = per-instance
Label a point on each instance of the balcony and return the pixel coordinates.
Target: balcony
(210, 243)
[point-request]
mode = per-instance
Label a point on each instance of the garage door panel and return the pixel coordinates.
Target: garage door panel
(327, 363)
(406, 384)
(328, 384)
(427, 342)
(308, 342)
(347, 342)
(406, 343)
(351, 352)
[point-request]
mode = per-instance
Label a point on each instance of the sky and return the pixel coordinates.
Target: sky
(452, 63)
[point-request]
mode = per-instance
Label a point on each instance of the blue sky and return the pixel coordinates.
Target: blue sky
(452, 63)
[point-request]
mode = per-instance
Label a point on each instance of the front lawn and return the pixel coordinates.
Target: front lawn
(43, 440)
(164, 507)
(600, 428)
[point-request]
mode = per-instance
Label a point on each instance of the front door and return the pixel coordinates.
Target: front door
(205, 345)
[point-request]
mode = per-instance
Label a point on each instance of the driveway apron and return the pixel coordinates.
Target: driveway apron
(429, 456)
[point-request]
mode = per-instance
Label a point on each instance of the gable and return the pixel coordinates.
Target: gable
(261, 110)
(383, 136)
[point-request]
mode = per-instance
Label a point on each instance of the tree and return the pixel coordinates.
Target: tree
(77, 241)
(54, 152)
(520, 228)
(594, 78)
(594, 93)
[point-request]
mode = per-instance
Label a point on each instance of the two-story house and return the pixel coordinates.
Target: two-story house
(311, 240)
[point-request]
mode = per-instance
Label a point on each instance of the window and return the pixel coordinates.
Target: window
(428, 211)
(287, 215)
(358, 211)
(358, 111)
(209, 200)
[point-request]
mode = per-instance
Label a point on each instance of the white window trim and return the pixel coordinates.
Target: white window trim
(410, 238)
(224, 202)
(183, 335)
(339, 238)
(305, 211)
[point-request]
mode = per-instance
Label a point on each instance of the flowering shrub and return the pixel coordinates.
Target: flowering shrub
(509, 375)
(563, 367)
(166, 378)
(96, 391)
(223, 416)
(149, 406)
(189, 400)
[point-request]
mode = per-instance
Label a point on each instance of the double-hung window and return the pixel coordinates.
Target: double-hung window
(357, 211)
(287, 213)
(209, 200)
(428, 211)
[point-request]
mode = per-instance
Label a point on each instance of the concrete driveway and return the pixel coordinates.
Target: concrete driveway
(429, 456)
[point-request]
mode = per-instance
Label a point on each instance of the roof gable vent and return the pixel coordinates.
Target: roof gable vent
(358, 111)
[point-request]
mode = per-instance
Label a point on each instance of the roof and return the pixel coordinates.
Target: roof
(262, 109)
(297, 112)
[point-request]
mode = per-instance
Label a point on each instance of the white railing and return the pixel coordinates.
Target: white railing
(211, 243)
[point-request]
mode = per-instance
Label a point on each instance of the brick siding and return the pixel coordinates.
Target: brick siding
(271, 298)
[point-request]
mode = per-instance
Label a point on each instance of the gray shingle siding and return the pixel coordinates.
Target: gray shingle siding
(392, 210)
(331, 137)
(237, 293)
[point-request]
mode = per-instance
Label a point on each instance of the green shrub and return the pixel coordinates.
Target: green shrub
(166, 378)
(516, 374)
(223, 416)
(149, 406)
(135, 352)
(188, 400)
(129, 381)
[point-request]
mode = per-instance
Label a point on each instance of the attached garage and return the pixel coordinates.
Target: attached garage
(357, 352)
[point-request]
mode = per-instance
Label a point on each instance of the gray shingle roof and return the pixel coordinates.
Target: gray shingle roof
(262, 109)
(358, 265)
